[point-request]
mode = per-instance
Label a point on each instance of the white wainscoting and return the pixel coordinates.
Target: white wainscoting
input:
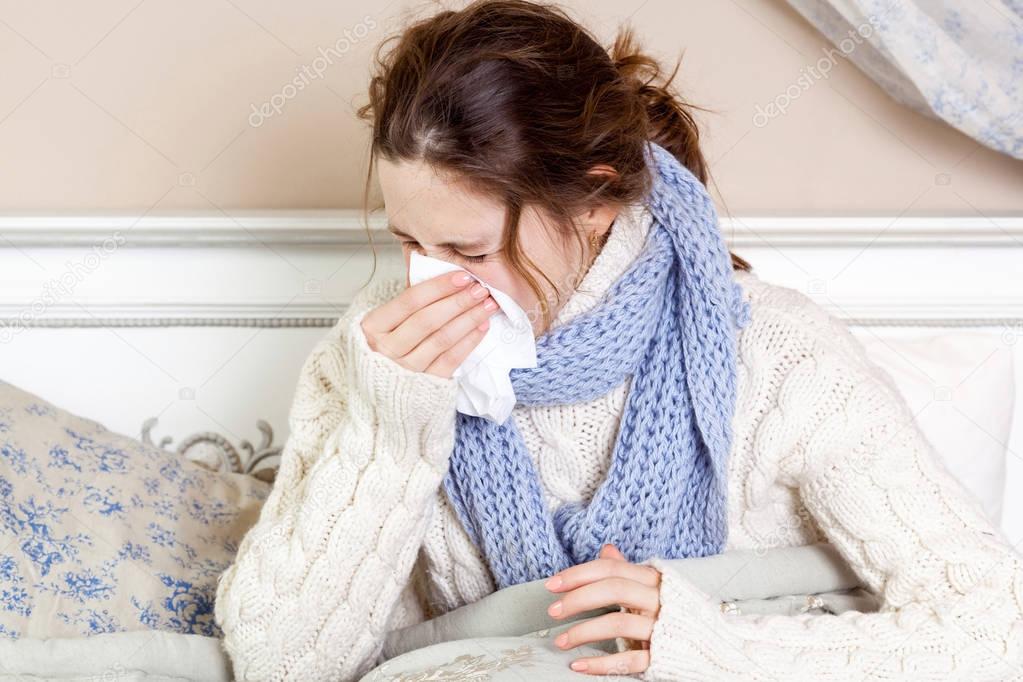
(203, 320)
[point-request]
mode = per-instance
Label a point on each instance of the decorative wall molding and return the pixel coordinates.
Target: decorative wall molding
(239, 229)
(223, 313)
(299, 269)
(863, 312)
(888, 312)
(883, 231)
(184, 321)
(347, 228)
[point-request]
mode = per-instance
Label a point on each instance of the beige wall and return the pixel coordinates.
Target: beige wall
(117, 105)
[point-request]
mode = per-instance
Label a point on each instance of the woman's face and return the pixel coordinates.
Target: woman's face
(443, 218)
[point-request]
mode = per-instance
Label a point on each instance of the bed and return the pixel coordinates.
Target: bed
(185, 333)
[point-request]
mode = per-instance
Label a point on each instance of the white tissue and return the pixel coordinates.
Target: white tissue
(484, 387)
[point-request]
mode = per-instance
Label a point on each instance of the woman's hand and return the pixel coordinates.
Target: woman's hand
(609, 579)
(431, 326)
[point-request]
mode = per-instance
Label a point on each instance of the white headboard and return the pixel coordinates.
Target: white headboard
(202, 321)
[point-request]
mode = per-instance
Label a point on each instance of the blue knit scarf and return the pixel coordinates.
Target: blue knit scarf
(669, 321)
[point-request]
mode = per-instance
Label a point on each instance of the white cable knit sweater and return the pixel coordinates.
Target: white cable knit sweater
(357, 536)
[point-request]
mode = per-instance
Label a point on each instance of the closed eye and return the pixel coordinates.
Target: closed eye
(450, 253)
(468, 259)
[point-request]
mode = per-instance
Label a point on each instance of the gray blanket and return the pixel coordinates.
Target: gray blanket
(508, 633)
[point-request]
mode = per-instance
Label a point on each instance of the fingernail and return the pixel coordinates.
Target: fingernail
(483, 325)
(553, 583)
(562, 639)
(490, 304)
(479, 291)
(461, 278)
(580, 665)
(555, 608)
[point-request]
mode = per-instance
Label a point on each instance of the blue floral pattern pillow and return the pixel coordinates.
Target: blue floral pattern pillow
(102, 533)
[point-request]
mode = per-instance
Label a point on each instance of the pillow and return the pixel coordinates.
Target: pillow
(961, 387)
(117, 657)
(101, 533)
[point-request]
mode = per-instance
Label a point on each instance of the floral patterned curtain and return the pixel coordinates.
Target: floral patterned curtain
(958, 60)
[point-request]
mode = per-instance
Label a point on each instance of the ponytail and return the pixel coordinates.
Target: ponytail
(671, 125)
(670, 122)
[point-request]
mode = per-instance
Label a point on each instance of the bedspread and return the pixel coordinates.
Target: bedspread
(508, 635)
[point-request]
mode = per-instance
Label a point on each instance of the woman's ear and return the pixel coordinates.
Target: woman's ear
(602, 214)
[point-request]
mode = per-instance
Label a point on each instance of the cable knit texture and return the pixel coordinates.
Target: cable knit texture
(358, 537)
(669, 322)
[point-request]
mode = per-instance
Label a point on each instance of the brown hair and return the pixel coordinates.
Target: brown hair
(521, 102)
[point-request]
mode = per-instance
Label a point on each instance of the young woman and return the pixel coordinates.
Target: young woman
(681, 406)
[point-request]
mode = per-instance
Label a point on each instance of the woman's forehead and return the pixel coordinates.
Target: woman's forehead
(437, 209)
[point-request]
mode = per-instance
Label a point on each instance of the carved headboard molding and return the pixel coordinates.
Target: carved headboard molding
(214, 451)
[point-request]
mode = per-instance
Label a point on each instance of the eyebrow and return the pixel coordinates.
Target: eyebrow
(470, 245)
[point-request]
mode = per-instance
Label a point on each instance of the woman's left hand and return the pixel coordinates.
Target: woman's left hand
(610, 579)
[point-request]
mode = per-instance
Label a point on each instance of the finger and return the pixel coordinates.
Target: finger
(448, 336)
(621, 663)
(412, 299)
(421, 325)
(606, 592)
(609, 551)
(598, 569)
(607, 626)
(448, 361)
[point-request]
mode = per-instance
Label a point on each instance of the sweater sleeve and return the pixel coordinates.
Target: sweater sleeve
(950, 586)
(317, 578)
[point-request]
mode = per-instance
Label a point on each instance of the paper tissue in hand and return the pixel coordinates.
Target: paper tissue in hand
(484, 387)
